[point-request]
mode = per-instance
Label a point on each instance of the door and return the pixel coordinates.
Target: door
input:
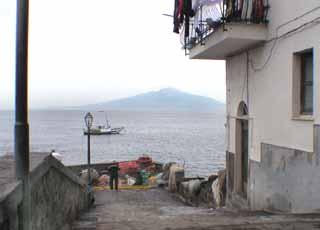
(244, 155)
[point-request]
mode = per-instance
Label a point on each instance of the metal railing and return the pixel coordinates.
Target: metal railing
(209, 18)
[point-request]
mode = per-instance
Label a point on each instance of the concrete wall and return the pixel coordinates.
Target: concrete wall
(286, 180)
(9, 209)
(57, 197)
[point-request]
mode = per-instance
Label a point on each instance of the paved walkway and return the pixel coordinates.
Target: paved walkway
(157, 209)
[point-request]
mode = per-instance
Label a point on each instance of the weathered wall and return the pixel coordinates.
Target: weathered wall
(230, 174)
(56, 200)
(57, 197)
(286, 180)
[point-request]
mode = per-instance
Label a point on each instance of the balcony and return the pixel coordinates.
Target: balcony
(222, 29)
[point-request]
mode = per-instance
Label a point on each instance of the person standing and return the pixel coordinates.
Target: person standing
(114, 175)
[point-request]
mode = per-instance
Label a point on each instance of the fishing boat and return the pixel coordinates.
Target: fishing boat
(104, 129)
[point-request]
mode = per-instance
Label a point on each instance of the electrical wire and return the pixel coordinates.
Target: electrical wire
(277, 37)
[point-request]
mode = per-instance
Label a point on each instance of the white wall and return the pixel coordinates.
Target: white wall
(270, 90)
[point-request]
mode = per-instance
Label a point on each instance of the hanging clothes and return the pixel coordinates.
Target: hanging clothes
(258, 10)
(188, 13)
(247, 8)
(176, 21)
(244, 10)
(181, 15)
(229, 10)
(250, 8)
(238, 9)
(177, 15)
(198, 3)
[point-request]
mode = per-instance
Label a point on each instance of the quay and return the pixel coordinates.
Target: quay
(60, 201)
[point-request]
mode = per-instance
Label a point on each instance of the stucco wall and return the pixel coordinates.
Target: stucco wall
(284, 151)
(285, 180)
(270, 90)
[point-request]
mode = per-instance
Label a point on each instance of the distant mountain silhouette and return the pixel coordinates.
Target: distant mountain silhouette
(164, 99)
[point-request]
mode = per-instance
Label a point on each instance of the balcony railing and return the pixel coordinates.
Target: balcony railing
(214, 14)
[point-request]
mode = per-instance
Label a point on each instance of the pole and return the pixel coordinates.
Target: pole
(21, 97)
(21, 133)
(89, 160)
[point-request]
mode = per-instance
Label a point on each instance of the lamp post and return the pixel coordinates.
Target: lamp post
(21, 130)
(89, 120)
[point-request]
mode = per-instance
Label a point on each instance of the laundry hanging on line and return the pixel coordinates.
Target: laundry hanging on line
(182, 13)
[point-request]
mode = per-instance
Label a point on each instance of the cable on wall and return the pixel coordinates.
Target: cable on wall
(277, 37)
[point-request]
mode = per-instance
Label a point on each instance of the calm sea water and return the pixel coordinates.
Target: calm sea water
(191, 138)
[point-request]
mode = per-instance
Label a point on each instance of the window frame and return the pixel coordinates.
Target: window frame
(304, 83)
(299, 86)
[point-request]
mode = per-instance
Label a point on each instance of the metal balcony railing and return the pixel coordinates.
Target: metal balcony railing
(211, 16)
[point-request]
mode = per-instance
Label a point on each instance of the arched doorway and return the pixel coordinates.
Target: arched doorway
(242, 149)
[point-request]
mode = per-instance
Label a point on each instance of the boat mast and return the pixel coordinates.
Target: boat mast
(108, 126)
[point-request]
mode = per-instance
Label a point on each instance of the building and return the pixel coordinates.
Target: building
(272, 53)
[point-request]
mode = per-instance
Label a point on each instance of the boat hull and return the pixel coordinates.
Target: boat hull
(113, 131)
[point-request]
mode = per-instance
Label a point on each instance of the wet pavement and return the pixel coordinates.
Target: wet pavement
(157, 209)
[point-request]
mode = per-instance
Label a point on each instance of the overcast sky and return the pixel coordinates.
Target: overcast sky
(87, 51)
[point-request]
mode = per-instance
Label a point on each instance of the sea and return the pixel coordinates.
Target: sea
(193, 139)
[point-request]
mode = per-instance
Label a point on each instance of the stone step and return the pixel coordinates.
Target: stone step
(86, 221)
(84, 225)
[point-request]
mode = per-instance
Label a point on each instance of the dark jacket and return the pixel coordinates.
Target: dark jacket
(113, 170)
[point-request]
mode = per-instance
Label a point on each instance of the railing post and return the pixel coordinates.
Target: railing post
(21, 134)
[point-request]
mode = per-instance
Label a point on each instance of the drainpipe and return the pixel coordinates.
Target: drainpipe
(21, 132)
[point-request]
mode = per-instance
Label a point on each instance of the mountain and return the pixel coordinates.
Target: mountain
(164, 99)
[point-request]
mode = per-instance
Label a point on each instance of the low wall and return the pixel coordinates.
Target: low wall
(57, 197)
(99, 167)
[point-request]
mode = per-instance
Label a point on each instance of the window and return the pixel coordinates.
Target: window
(306, 101)
(303, 84)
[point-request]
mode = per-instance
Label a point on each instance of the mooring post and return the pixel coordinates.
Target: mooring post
(21, 132)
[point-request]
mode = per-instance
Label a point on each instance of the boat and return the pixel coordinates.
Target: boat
(104, 129)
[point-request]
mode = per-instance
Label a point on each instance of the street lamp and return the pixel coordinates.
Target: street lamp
(88, 121)
(21, 130)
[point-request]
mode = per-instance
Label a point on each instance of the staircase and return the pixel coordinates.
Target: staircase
(86, 221)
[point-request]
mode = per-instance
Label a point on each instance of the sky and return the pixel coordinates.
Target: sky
(89, 51)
